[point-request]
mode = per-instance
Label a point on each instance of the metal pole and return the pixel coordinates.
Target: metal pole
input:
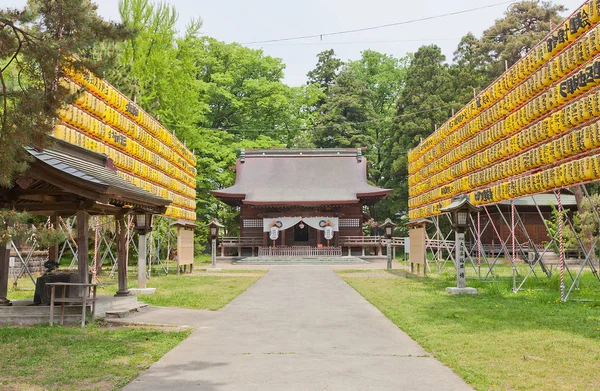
(512, 233)
(142, 260)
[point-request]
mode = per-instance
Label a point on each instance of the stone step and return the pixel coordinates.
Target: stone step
(122, 312)
(299, 260)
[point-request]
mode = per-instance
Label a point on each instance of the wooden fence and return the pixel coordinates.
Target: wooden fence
(300, 251)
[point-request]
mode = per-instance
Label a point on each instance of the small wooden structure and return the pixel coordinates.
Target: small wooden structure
(418, 241)
(185, 245)
(65, 180)
(301, 202)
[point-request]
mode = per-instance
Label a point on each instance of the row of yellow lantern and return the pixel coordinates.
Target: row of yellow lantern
(493, 143)
(169, 187)
(584, 78)
(574, 143)
(578, 23)
(176, 202)
(112, 97)
(479, 172)
(95, 106)
(566, 174)
(90, 125)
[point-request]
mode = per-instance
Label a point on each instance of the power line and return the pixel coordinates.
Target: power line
(360, 42)
(379, 26)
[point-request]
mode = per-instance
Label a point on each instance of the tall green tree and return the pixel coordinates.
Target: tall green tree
(424, 103)
(346, 114)
(327, 69)
(524, 24)
(384, 76)
(156, 66)
(37, 44)
(469, 70)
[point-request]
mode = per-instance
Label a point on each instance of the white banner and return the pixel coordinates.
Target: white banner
(321, 222)
(283, 223)
(280, 222)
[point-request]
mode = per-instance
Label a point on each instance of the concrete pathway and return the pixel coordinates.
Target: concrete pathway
(298, 328)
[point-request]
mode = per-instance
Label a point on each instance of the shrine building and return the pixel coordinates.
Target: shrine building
(301, 202)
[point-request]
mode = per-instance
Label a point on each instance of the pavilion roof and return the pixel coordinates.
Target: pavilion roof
(64, 178)
(301, 177)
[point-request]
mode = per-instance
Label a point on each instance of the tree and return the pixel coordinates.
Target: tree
(38, 43)
(384, 76)
(156, 67)
(325, 72)
(345, 115)
(469, 70)
(524, 25)
(424, 103)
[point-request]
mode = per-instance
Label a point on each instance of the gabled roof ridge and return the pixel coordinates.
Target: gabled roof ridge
(302, 152)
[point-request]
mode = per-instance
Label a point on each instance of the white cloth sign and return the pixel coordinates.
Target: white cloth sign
(287, 222)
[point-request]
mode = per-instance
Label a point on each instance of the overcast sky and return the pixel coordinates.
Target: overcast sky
(247, 21)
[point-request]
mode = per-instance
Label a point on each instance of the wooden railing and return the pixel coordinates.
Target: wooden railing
(300, 251)
(241, 241)
(370, 241)
(360, 240)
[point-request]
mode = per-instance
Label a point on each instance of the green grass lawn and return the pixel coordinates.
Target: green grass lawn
(98, 357)
(197, 292)
(74, 358)
(498, 340)
(185, 291)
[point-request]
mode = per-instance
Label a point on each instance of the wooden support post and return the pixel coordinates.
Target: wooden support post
(379, 250)
(363, 250)
(142, 260)
(4, 266)
(283, 237)
(82, 250)
(121, 230)
(53, 250)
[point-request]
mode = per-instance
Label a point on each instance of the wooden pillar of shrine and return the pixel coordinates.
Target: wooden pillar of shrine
(82, 248)
(121, 230)
(4, 267)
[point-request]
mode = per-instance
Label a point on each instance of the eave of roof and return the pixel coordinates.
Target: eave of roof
(301, 177)
(88, 167)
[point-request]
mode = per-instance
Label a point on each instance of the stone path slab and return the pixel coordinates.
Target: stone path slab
(298, 328)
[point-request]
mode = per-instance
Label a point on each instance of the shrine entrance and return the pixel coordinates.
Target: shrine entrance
(301, 232)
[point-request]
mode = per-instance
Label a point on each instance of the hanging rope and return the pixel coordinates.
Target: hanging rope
(512, 231)
(561, 253)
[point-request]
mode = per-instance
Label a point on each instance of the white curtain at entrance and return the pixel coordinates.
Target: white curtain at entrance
(282, 222)
(321, 222)
(288, 222)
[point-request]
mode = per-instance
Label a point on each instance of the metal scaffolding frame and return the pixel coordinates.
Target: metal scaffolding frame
(511, 249)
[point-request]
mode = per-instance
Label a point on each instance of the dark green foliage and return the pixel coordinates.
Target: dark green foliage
(36, 45)
(424, 103)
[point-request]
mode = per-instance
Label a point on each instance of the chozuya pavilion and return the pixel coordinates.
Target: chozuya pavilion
(301, 202)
